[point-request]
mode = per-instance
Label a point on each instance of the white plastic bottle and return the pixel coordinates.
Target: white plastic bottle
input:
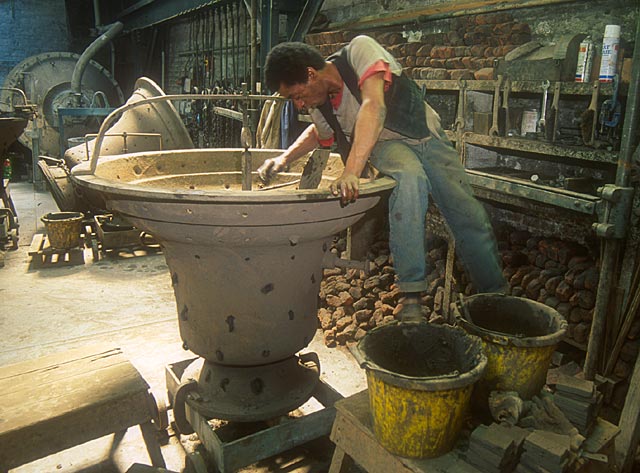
(610, 45)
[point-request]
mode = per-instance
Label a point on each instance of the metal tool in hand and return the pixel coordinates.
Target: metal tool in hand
(458, 125)
(545, 89)
(494, 130)
(312, 172)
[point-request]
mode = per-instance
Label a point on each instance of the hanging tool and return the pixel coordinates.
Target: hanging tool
(610, 109)
(494, 130)
(589, 117)
(552, 120)
(458, 125)
(542, 120)
(504, 118)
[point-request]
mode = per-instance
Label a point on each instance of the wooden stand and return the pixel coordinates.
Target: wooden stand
(355, 441)
(58, 401)
(43, 255)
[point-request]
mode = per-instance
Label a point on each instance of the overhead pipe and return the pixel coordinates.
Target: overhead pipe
(78, 71)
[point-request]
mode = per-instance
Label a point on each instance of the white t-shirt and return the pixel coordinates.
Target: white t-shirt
(363, 53)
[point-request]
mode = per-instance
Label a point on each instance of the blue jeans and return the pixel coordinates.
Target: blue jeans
(434, 167)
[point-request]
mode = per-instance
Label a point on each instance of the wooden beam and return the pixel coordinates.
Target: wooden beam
(627, 441)
(445, 9)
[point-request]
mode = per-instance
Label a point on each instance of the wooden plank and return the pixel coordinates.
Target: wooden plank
(36, 244)
(341, 462)
(440, 10)
(30, 407)
(77, 360)
(627, 441)
(67, 399)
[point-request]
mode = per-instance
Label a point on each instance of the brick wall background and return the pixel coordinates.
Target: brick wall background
(30, 27)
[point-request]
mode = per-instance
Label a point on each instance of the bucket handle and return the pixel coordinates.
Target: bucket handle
(310, 357)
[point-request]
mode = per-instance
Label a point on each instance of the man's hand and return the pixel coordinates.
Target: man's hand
(271, 167)
(347, 186)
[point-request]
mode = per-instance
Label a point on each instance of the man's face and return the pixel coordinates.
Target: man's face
(310, 94)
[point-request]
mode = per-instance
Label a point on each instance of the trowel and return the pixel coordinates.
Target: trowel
(312, 172)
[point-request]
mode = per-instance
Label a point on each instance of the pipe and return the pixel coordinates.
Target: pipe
(254, 46)
(96, 13)
(78, 71)
(629, 139)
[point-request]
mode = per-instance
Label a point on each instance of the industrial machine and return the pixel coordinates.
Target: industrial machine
(246, 264)
(60, 80)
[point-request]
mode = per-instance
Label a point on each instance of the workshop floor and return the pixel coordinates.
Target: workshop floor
(126, 301)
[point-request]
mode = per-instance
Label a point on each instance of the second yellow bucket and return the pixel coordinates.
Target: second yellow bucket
(420, 378)
(519, 337)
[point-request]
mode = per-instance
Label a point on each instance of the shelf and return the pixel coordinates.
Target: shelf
(515, 190)
(517, 86)
(539, 147)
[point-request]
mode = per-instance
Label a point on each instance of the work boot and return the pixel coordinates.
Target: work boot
(411, 313)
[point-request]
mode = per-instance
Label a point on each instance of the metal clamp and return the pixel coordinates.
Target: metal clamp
(613, 211)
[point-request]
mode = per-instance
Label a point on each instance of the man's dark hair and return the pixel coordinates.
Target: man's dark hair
(287, 64)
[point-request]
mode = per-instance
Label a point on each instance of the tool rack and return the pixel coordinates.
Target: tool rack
(605, 213)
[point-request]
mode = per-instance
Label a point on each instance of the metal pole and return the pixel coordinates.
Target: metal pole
(254, 46)
(607, 267)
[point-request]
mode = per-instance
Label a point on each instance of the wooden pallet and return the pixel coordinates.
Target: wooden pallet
(43, 255)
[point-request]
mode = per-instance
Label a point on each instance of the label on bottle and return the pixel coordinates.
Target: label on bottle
(585, 61)
(610, 45)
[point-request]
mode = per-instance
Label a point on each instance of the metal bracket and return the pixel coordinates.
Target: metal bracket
(613, 211)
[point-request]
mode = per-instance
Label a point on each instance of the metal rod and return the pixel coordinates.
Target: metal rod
(278, 186)
(254, 45)
(220, 44)
(246, 169)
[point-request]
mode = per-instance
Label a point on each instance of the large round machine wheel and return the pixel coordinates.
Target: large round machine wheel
(46, 80)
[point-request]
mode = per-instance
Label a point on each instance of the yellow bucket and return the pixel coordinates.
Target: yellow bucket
(63, 229)
(519, 337)
(420, 378)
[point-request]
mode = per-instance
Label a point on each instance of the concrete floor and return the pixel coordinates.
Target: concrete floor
(125, 300)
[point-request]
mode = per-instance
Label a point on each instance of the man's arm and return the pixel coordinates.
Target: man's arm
(307, 141)
(369, 125)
